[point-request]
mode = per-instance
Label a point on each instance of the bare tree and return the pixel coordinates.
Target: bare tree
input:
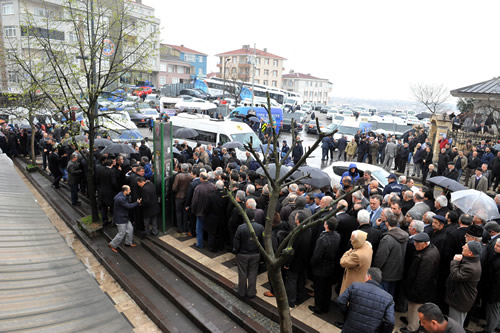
(275, 260)
(105, 44)
(431, 96)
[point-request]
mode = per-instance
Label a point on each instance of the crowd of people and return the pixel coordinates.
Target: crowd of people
(401, 249)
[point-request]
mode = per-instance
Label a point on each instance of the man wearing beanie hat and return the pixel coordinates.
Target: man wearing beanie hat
(420, 282)
(357, 260)
(461, 286)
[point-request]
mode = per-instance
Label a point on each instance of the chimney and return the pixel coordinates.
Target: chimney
(246, 47)
(265, 49)
(291, 71)
(182, 45)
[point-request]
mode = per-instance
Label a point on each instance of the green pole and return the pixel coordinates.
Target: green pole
(162, 178)
(171, 167)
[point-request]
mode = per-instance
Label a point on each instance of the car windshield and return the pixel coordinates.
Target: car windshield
(125, 134)
(143, 106)
(149, 112)
(381, 175)
(347, 130)
(384, 126)
(339, 118)
(245, 138)
(348, 113)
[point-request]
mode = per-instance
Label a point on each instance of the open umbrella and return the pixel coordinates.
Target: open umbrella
(254, 119)
(234, 144)
(76, 138)
(272, 170)
(474, 202)
(175, 150)
(318, 178)
(267, 148)
(120, 148)
(185, 133)
(447, 183)
(497, 147)
(102, 142)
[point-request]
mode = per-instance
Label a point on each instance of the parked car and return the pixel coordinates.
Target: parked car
(324, 109)
(307, 108)
(311, 127)
(364, 116)
(139, 119)
(141, 91)
(288, 118)
(196, 93)
(331, 113)
(412, 120)
(336, 169)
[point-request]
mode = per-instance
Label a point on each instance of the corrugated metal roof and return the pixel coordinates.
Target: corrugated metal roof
(43, 285)
(491, 87)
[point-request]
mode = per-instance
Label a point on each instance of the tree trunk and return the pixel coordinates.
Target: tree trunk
(91, 169)
(281, 298)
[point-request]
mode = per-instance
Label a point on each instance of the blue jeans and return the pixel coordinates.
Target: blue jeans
(324, 155)
(389, 286)
(200, 221)
(460, 174)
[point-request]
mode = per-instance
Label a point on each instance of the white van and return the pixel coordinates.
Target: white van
(167, 105)
(211, 131)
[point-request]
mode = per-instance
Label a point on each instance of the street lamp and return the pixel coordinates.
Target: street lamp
(224, 76)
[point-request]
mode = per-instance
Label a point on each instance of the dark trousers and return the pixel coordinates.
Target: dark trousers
(248, 267)
(74, 193)
(324, 155)
(153, 222)
(104, 212)
(182, 215)
(495, 180)
(341, 155)
(322, 292)
(57, 179)
(44, 160)
(360, 157)
(295, 286)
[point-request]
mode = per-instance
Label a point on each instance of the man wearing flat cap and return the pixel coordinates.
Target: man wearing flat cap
(439, 235)
(461, 286)
(451, 172)
(421, 279)
(478, 181)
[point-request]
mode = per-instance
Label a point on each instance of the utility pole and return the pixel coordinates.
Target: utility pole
(92, 57)
(224, 76)
(253, 74)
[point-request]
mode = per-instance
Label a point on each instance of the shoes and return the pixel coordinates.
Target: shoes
(405, 330)
(268, 294)
(56, 187)
(112, 248)
(131, 245)
(314, 309)
(77, 204)
(338, 324)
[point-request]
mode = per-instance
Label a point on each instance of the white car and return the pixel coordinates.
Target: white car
(347, 114)
(330, 114)
(426, 122)
(336, 169)
(410, 121)
(364, 116)
(196, 103)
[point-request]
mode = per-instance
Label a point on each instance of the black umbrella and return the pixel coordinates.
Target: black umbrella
(254, 119)
(272, 170)
(185, 133)
(120, 148)
(318, 178)
(447, 183)
(234, 144)
(76, 138)
(102, 142)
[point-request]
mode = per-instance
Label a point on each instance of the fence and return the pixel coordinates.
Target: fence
(173, 90)
(460, 137)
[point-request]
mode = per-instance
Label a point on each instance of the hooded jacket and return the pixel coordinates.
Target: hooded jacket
(354, 176)
(391, 254)
(356, 261)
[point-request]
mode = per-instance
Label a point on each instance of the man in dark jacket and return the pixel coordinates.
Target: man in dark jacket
(298, 151)
(74, 177)
(180, 188)
(473, 163)
(323, 265)
(215, 220)
(420, 281)
(199, 205)
(145, 151)
(326, 143)
(451, 172)
(54, 168)
(341, 146)
(433, 321)
(391, 255)
(443, 159)
(247, 257)
(495, 171)
(297, 266)
(107, 187)
(370, 308)
(403, 158)
(149, 206)
(461, 286)
(492, 277)
(120, 218)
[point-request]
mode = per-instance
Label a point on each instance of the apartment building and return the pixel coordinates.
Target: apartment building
(15, 13)
(238, 65)
(312, 89)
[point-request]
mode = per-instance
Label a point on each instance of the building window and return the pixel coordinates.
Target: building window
(200, 71)
(257, 81)
(234, 60)
(257, 72)
(190, 57)
(8, 8)
(163, 80)
(275, 73)
(153, 62)
(170, 68)
(180, 70)
(200, 58)
(321, 84)
(266, 72)
(72, 37)
(264, 82)
(175, 80)
(266, 61)
(13, 77)
(257, 61)
(10, 31)
(163, 67)
(274, 83)
(275, 63)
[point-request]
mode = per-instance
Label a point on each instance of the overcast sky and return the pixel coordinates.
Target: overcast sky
(367, 49)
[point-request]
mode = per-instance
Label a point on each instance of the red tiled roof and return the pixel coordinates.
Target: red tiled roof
(212, 74)
(250, 52)
(300, 76)
(184, 49)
